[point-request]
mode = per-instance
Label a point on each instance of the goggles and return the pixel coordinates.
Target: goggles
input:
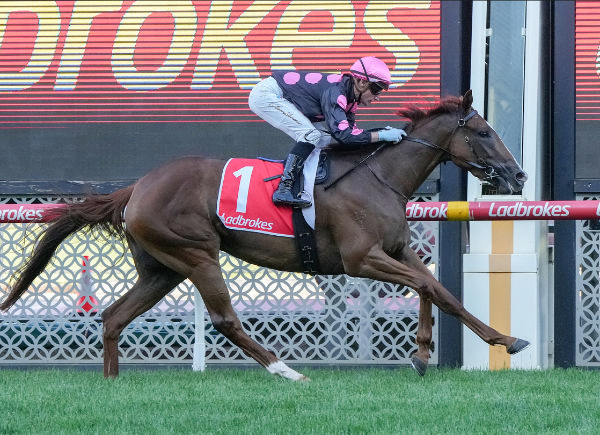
(378, 87)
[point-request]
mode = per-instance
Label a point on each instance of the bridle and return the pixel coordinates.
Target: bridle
(482, 165)
(488, 170)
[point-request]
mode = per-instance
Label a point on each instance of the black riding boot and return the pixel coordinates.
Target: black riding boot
(283, 195)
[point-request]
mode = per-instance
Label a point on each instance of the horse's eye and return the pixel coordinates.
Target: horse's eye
(484, 133)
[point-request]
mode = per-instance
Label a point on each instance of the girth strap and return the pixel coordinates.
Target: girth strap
(305, 242)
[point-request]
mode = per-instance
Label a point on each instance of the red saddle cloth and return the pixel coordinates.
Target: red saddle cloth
(244, 201)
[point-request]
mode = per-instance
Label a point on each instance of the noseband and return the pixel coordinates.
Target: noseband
(488, 170)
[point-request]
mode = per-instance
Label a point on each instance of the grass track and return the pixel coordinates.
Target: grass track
(231, 401)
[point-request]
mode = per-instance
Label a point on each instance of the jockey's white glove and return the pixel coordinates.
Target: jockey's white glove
(390, 134)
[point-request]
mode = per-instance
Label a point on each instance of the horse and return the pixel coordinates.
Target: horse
(169, 221)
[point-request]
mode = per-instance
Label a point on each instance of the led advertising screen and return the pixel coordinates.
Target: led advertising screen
(587, 88)
(104, 89)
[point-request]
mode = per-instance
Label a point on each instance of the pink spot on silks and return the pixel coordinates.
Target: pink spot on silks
(343, 125)
(334, 78)
(313, 78)
(356, 131)
(291, 78)
(342, 101)
(354, 108)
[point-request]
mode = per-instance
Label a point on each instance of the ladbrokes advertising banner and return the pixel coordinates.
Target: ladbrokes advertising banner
(106, 61)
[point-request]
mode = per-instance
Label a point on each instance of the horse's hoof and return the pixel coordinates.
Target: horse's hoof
(418, 365)
(518, 346)
(304, 379)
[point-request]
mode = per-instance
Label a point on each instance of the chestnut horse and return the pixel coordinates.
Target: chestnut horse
(169, 221)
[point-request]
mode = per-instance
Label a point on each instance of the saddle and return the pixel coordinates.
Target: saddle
(323, 167)
(303, 232)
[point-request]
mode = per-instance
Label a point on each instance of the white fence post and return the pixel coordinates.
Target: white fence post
(199, 363)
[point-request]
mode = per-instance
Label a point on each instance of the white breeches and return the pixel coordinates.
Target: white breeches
(266, 100)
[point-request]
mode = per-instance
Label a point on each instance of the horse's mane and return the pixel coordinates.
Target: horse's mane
(416, 114)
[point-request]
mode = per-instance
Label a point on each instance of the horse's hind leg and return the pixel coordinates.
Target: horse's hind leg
(155, 281)
(209, 282)
(201, 265)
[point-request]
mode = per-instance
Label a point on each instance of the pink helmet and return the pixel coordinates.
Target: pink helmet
(372, 69)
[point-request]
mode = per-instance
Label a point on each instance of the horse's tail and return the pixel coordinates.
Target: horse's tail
(102, 211)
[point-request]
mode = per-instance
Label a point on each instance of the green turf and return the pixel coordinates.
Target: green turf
(230, 401)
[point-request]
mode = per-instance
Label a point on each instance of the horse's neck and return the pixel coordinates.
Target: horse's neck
(408, 164)
(405, 166)
(416, 163)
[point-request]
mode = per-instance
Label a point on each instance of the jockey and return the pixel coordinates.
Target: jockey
(318, 109)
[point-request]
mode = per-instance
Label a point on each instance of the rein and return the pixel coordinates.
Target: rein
(489, 171)
(356, 165)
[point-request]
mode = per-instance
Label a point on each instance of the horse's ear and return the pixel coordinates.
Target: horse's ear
(467, 101)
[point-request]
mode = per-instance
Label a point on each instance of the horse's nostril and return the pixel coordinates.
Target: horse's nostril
(521, 176)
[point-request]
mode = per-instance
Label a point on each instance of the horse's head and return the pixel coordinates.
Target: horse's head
(476, 147)
(458, 133)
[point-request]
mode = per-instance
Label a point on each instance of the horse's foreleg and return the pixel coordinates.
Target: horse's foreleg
(413, 273)
(420, 359)
(210, 284)
(449, 304)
